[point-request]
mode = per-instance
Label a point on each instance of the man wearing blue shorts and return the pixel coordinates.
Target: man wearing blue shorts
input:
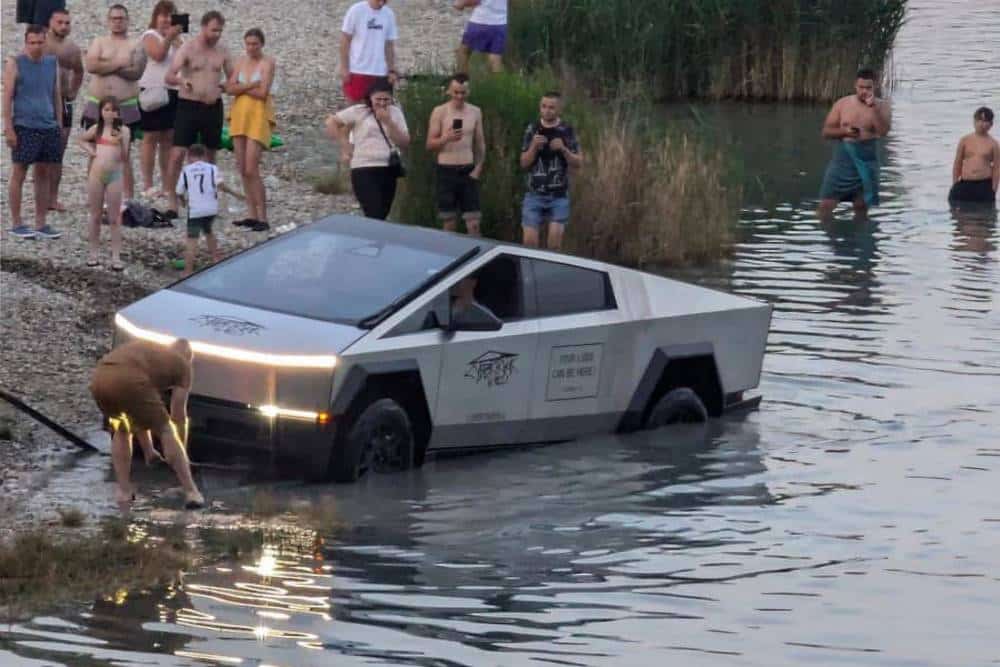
(548, 151)
(485, 33)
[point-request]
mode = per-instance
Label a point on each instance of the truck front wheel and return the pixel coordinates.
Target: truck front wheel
(380, 439)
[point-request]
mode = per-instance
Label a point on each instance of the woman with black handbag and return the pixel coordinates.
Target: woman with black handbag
(379, 133)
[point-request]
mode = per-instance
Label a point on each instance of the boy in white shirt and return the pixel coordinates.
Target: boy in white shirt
(199, 183)
(486, 32)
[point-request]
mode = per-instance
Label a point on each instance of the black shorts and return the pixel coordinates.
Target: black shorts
(37, 146)
(198, 226)
(457, 191)
(162, 119)
(198, 123)
(67, 115)
(973, 191)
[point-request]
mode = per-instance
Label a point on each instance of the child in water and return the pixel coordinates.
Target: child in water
(976, 172)
(107, 143)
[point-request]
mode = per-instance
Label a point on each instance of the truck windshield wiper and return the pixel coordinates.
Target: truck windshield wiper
(378, 316)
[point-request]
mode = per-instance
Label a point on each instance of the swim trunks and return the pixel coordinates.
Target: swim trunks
(853, 170)
(485, 38)
(197, 122)
(973, 191)
(457, 191)
(37, 145)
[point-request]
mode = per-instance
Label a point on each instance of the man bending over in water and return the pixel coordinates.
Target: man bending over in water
(128, 386)
(856, 122)
(976, 173)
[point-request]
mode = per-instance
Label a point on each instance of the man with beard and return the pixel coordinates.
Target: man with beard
(856, 122)
(70, 59)
(197, 71)
(116, 63)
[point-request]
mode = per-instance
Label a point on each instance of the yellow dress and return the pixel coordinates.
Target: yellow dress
(252, 118)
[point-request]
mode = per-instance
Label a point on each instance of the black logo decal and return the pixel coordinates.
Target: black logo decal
(493, 368)
(228, 325)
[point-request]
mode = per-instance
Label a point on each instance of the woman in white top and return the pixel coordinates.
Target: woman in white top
(160, 43)
(379, 129)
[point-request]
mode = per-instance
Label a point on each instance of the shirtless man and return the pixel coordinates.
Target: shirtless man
(856, 122)
(199, 70)
(70, 58)
(116, 63)
(976, 173)
(455, 133)
(128, 385)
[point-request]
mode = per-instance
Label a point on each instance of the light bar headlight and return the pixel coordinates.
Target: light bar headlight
(232, 353)
(273, 411)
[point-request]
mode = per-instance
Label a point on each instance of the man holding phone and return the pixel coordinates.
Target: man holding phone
(455, 133)
(856, 122)
(548, 151)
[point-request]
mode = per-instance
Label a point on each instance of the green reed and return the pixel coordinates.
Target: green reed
(715, 49)
(643, 196)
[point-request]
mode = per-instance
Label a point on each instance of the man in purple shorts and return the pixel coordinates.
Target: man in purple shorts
(485, 33)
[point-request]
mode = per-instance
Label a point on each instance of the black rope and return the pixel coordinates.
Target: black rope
(38, 416)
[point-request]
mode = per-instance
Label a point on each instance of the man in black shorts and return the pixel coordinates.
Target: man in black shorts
(197, 71)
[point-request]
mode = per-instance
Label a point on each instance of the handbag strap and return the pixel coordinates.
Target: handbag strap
(382, 130)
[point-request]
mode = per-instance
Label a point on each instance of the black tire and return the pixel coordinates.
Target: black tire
(380, 439)
(677, 406)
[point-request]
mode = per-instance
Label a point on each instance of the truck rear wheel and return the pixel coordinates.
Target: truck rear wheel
(677, 406)
(380, 439)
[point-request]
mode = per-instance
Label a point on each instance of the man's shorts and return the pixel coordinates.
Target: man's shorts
(119, 391)
(67, 115)
(37, 145)
(356, 87)
(457, 191)
(198, 123)
(129, 113)
(198, 226)
(538, 208)
(973, 191)
(485, 38)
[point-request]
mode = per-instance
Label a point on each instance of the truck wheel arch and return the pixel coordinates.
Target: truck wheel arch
(672, 367)
(399, 380)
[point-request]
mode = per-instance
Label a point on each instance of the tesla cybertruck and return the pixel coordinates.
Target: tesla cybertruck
(352, 345)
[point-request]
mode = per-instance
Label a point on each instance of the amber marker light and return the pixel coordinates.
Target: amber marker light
(231, 353)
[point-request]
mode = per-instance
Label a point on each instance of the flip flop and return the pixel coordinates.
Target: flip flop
(92, 263)
(117, 267)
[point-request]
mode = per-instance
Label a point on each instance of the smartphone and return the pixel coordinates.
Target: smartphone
(456, 123)
(183, 20)
(855, 130)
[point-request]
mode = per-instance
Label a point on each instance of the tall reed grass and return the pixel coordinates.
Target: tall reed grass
(643, 196)
(717, 49)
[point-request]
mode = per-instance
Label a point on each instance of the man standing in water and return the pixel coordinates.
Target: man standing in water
(976, 173)
(856, 122)
(197, 71)
(127, 386)
(455, 133)
(116, 64)
(67, 53)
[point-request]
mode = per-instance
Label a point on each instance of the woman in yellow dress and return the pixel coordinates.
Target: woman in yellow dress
(251, 120)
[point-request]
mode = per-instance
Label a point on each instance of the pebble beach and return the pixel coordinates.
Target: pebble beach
(57, 312)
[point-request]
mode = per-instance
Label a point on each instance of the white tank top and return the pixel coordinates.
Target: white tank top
(156, 72)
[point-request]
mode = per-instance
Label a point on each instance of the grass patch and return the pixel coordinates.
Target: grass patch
(39, 571)
(716, 49)
(71, 517)
(332, 182)
(644, 195)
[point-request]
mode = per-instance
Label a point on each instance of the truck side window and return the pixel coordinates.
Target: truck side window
(563, 289)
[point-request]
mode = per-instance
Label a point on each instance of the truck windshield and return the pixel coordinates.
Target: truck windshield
(324, 273)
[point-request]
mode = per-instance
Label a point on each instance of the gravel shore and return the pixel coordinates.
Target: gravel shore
(57, 312)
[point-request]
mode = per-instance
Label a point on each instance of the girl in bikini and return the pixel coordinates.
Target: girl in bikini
(107, 143)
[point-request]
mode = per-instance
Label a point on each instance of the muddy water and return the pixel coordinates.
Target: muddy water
(852, 520)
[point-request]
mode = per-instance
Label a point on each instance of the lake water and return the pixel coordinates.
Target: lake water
(852, 520)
